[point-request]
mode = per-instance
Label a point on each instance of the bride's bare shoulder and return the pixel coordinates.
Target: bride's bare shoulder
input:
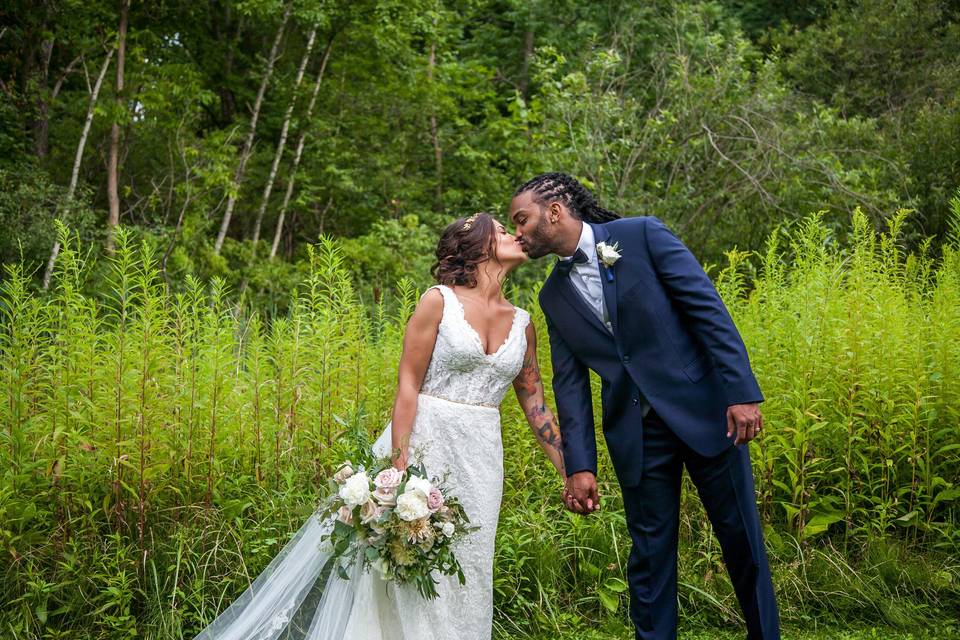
(432, 298)
(430, 308)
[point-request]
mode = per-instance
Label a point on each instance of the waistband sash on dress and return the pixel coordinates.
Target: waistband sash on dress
(469, 404)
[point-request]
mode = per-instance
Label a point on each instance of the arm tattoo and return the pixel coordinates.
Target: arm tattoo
(528, 380)
(529, 386)
(549, 434)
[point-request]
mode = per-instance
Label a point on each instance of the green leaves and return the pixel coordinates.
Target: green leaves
(610, 593)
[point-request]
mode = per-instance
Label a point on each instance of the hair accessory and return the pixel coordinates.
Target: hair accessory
(469, 222)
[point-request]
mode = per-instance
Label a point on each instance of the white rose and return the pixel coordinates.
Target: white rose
(448, 529)
(356, 490)
(416, 483)
(607, 253)
(412, 505)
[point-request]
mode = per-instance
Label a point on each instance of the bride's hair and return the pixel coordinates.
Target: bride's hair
(464, 245)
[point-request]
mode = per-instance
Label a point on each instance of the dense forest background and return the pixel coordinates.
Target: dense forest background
(234, 133)
(217, 216)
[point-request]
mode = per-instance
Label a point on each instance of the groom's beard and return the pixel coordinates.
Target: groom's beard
(536, 244)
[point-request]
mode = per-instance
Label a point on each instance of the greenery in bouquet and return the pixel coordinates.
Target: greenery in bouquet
(398, 523)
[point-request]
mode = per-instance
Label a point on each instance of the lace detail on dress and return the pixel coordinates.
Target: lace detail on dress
(459, 369)
(454, 432)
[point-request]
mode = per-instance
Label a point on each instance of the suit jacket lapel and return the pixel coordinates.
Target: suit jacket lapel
(601, 234)
(575, 300)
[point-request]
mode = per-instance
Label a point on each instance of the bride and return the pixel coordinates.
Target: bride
(463, 347)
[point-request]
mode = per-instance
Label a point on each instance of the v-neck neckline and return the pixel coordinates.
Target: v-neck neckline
(476, 334)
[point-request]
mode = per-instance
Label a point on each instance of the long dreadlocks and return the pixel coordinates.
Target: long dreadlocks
(566, 189)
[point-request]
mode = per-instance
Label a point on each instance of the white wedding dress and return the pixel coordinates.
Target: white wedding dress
(456, 431)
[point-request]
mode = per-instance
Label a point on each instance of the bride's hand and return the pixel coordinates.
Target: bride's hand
(399, 460)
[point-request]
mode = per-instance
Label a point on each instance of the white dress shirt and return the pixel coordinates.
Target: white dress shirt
(585, 277)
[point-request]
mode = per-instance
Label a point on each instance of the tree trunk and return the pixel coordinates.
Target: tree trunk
(524, 83)
(44, 101)
(434, 135)
(301, 142)
(251, 134)
(41, 124)
(77, 160)
(282, 143)
(113, 193)
(228, 103)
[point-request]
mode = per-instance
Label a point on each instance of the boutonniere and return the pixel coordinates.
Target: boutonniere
(608, 254)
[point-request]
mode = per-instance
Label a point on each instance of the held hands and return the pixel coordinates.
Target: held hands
(744, 421)
(580, 495)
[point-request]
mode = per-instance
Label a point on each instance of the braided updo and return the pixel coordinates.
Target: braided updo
(464, 245)
(566, 189)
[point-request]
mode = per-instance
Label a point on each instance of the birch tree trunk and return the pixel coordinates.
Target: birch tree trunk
(77, 160)
(251, 134)
(282, 143)
(298, 154)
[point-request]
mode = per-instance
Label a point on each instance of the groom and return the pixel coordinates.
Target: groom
(628, 300)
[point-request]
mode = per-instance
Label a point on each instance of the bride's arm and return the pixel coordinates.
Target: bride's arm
(529, 388)
(419, 339)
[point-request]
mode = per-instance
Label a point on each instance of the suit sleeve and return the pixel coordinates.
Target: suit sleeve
(693, 292)
(571, 390)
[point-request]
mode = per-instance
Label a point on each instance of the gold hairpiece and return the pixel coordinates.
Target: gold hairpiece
(469, 222)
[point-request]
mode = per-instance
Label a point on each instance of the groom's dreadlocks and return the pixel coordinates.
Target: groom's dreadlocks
(566, 189)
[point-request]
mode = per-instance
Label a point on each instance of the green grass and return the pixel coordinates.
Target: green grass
(616, 632)
(157, 449)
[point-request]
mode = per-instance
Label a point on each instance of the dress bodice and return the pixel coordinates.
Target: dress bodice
(460, 370)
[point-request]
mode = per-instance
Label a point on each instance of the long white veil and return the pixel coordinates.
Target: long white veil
(298, 596)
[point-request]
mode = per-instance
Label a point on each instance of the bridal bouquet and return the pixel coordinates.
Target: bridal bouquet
(397, 522)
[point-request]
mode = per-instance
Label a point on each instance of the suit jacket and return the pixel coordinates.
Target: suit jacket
(673, 341)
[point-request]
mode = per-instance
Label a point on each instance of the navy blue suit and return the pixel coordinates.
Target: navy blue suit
(675, 348)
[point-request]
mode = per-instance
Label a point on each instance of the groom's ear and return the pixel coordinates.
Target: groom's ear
(555, 212)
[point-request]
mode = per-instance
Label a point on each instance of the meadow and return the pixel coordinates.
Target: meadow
(158, 446)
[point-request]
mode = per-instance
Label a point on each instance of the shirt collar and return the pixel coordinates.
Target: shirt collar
(586, 243)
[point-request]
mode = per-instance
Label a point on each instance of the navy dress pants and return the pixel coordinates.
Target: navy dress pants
(725, 485)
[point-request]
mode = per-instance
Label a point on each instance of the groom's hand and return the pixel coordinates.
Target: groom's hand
(581, 494)
(744, 421)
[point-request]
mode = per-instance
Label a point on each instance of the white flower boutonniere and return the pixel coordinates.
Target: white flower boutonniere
(608, 253)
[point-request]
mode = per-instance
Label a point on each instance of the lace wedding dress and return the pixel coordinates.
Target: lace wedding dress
(456, 431)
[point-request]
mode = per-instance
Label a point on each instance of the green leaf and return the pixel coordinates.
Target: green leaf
(820, 523)
(609, 600)
(616, 585)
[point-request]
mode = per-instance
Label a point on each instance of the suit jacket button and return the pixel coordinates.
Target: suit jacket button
(636, 400)
(626, 359)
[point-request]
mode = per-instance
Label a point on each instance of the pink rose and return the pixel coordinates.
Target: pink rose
(370, 512)
(389, 478)
(345, 515)
(434, 500)
(343, 473)
(385, 496)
